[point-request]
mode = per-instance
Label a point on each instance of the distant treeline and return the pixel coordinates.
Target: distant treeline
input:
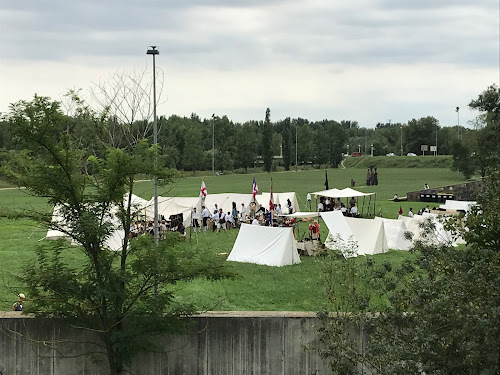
(187, 144)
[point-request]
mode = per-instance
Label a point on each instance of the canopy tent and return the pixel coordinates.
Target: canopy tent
(343, 193)
(457, 205)
(115, 240)
(303, 215)
(367, 234)
(395, 234)
(270, 246)
(347, 193)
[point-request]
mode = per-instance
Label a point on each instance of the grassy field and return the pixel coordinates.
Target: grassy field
(256, 287)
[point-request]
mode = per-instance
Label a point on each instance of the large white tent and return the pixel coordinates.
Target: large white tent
(269, 246)
(115, 241)
(457, 205)
(395, 234)
(367, 234)
(225, 201)
(168, 206)
(279, 198)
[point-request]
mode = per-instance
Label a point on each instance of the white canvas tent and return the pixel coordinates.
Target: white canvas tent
(270, 246)
(115, 241)
(457, 205)
(225, 201)
(395, 234)
(168, 206)
(368, 234)
(279, 198)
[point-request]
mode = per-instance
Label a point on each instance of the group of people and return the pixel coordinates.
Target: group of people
(371, 177)
(141, 227)
(327, 204)
(253, 214)
(421, 211)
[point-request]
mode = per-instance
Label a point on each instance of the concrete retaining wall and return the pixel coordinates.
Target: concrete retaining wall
(228, 343)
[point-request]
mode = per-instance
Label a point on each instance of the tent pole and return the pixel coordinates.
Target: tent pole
(363, 207)
(369, 203)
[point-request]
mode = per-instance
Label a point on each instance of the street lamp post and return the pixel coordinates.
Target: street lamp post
(372, 149)
(458, 122)
(347, 149)
(296, 146)
(153, 51)
(401, 140)
(359, 149)
(213, 144)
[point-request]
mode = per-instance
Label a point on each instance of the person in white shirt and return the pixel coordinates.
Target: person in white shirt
(410, 213)
(320, 207)
(278, 209)
(229, 220)
(354, 210)
(255, 221)
(205, 214)
(196, 220)
(243, 212)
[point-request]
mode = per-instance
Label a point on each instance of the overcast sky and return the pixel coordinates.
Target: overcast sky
(365, 60)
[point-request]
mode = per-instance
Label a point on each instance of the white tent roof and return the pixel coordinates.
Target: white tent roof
(344, 193)
(395, 234)
(225, 201)
(269, 246)
(173, 206)
(302, 215)
(368, 234)
(457, 205)
(279, 198)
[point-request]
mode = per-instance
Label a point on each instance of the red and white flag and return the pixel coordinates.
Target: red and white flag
(271, 200)
(203, 190)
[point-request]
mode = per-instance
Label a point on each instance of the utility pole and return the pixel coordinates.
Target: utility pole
(213, 144)
(401, 140)
(153, 51)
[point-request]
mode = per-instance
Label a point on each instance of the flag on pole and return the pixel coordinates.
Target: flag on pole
(400, 210)
(255, 188)
(271, 200)
(326, 180)
(203, 190)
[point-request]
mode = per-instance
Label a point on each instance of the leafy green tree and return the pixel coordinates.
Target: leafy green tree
(246, 140)
(462, 159)
(267, 137)
(286, 143)
(125, 297)
(488, 124)
(421, 132)
(193, 153)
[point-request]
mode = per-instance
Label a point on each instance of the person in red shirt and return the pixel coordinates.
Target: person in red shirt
(314, 230)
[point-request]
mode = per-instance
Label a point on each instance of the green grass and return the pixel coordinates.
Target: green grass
(440, 161)
(256, 287)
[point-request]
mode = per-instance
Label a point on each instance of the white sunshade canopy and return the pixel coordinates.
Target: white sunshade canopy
(302, 215)
(343, 193)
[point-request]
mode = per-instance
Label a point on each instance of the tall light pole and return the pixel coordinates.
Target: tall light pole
(153, 51)
(372, 149)
(458, 122)
(437, 138)
(348, 149)
(359, 149)
(296, 148)
(401, 140)
(213, 144)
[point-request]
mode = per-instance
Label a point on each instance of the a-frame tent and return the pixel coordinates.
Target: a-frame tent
(271, 246)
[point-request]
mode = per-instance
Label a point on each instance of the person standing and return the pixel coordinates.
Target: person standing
(196, 220)
(375, 177)
(410, 213)
(205, 214)
(368, 177)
